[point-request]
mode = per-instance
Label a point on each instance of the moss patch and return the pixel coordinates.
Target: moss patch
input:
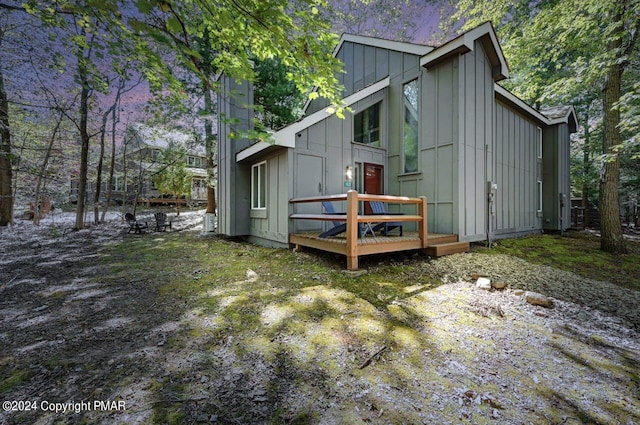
(576, 252)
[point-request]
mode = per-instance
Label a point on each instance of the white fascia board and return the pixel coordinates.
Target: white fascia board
(286, 136)
(521, 104)
(398, 46)
(466, 43)
(252, 150)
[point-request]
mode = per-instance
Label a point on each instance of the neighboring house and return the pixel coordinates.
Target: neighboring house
(142, 148)
(141, 152)
(425, 121)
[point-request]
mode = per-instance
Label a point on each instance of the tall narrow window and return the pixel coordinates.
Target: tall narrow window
(539, 141)
(259, 186)
(539, 196)
(410, 131)
(366, 126)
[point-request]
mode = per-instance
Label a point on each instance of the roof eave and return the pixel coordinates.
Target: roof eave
(465, 43)
(285, 137)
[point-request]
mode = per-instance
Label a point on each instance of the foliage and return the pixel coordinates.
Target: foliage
(279, 101)
(238, 32)
(391, 19)
(173, 177)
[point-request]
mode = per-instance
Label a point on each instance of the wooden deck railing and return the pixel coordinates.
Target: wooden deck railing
(352, 218)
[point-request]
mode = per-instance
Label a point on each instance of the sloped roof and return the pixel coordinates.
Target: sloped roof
(285, 137)
(399, 46)
(465, 43)
(549, 116)
(562, 114)
(161, 138)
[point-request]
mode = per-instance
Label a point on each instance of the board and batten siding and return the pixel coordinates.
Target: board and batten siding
(437, 178)
(234, 180)
(517, 171)
(270, 226)
(556, 177)
(476, 136)
(332, 138)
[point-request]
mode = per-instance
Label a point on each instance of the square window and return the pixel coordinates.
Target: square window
(366, 126)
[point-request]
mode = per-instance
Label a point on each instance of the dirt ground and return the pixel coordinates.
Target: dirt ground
(125, 351)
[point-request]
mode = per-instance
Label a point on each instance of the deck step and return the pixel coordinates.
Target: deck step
(441, 249)
(438, 239)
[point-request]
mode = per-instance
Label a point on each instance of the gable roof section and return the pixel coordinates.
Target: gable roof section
(161, 138)
(399, 46)
(286, 136)
(562, 114)
(551, 116)
(466, 43)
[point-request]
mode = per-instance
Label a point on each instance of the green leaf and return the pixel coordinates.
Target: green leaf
(174, 25)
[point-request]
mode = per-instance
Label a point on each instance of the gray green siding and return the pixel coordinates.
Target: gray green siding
(234, 183)
(517, 171)
(556, 168)
(271, 226)
(470, 135)
(475, 166)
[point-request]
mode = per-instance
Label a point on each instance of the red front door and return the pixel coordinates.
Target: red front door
(373, 182)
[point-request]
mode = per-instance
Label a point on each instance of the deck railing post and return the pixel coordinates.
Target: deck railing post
(422, 226)
(352, 230)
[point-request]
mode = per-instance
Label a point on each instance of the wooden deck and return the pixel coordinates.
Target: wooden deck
(352, 246)
(161, 201)
(374, 244)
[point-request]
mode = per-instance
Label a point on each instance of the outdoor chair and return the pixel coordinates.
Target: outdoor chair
(341, 227)
(162, 222)
(136, 226)
(378, 208)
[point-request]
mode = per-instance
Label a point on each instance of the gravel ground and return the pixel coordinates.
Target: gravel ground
(449, 355)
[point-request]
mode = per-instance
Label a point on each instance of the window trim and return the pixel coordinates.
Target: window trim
(539, 187)
(192, 161)
(539, 142)
(378, 129)
(404, 119)
(260, 185)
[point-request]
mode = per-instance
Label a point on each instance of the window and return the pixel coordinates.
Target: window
(539, 141)
(366, 126)
(118, 184)
(259, 186)
(192, 161)
(539, 196)
(155, 155)
(410, 131)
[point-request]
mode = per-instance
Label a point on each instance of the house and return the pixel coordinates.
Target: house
(141, 152)
(424, 121)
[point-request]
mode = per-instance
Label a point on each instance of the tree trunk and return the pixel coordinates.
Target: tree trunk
(42, 174)
(209, 150)
(96, 194)
(6, 163)
(84, 138)
(112, 163)
(611, 229)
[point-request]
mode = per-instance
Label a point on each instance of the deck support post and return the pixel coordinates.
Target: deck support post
(352, 230)
(422, 225)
